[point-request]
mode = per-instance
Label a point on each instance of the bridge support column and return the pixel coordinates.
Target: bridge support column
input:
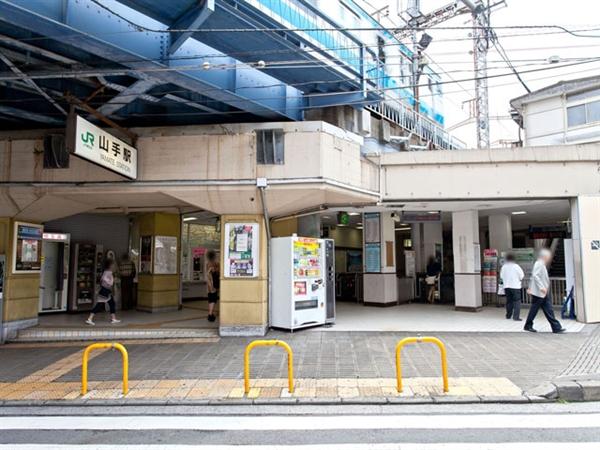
(500, 229)
(585, 217)
(467, 277)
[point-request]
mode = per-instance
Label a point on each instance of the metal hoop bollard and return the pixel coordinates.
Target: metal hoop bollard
(268, 343)
(84, 366)
(412, 340)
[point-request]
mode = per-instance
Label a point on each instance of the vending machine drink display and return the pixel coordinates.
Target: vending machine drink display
(88, 260)
(298, 282)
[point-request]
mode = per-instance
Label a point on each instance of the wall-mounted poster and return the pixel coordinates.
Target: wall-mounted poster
(165, 255)
(241, 250)
(372, 227)
(146, 254)
(372, 258)
(490, 271)
(27, 248)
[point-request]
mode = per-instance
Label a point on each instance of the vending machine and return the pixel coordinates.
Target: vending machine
(87, 270)
(298, 282)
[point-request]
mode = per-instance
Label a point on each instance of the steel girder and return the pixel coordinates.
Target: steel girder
(85, 25)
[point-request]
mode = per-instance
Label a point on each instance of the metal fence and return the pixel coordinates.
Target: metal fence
(558, 291)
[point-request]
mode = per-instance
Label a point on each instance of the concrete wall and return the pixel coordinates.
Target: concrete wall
(206, 167)
(533, 172)
(21, 291)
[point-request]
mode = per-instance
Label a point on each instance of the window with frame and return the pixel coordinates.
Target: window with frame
(269, 147)
(584, 113)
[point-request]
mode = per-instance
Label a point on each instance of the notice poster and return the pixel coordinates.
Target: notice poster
(146, 254)
(241, 250)
(307, 263)
(372, 258)
(410, 263)
(490, 271)
(27, 247)
(372, 227)
(165, 255)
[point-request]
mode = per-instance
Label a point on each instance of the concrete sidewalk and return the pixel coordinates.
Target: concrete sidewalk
(328, 365)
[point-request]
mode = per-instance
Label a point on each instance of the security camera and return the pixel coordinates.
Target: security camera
(395, 216)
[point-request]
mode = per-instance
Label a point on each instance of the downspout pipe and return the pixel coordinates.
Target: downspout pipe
(261, 184)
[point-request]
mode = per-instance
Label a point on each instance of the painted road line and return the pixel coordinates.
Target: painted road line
(276, 423)
(411, 446)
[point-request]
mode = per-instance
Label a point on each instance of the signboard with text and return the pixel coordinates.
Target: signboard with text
(102, 148)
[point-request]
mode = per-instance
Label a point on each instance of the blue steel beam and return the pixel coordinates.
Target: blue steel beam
(88, 27)
(189, 20)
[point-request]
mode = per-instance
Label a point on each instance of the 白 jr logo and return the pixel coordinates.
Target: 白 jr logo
(88, 139)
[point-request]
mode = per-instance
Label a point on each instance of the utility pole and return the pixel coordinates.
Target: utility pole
(481, 45)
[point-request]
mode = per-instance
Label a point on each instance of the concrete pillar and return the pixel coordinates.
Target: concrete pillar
(467, 276)
(425, 236)
(380, 286)
(159, 292)
(585, 217)
(500, 230)
(244, 300)
(21, 291)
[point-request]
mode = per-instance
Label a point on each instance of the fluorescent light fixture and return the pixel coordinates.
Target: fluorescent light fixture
(187, 219)
(326, 217)
(433, 212)
(359, 223)
(518, 213)
(359, 228)
(403, 229)
(354, 214)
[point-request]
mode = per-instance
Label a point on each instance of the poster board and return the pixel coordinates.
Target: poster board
(146, 254)
(372, 227)
(489, 282)
(373, 258)
(165, 255)
(410, 265)
(240, 253)
(27, 248)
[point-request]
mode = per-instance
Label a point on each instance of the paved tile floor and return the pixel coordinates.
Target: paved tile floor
(525, 359)
(439, 318)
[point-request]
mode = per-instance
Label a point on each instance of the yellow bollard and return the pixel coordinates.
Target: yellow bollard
(84, 365)
(412, 340)
(268, 343)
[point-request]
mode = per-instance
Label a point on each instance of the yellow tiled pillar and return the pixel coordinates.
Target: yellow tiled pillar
(159, 292)
(20, 291)
(244, 300)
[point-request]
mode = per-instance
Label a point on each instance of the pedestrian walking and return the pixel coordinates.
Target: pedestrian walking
(539, 289)
(512, 276)
(434, 269)
(213, 274)
(105, 295)
(127, 273)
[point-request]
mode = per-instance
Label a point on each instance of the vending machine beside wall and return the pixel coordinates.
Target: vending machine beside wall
(87, 270)
(298, 282)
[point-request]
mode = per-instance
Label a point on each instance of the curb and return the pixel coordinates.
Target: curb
(426, 400)
(568, 390)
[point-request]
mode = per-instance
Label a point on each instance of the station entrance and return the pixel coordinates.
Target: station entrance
(384, 258)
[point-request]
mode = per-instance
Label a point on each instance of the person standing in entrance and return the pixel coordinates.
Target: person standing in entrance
(105, 294)
(127, 272)
(433, 273)
(213, 281)
(512, 275)
(540, 293)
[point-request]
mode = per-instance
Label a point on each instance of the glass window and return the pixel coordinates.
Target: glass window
(593, 112)
(269, 147)
(576, 115)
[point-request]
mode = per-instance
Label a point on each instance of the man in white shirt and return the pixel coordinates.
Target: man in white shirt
(539, 289)
(512, 275)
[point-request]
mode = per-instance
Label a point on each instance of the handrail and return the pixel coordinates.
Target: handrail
(84, 366)
(412, 340)
(268, 343)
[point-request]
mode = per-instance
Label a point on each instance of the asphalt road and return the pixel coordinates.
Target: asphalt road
(384, 427)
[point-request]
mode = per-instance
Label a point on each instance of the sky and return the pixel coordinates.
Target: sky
(451, 55)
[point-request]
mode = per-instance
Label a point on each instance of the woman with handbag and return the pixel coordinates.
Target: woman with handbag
(105, 294)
